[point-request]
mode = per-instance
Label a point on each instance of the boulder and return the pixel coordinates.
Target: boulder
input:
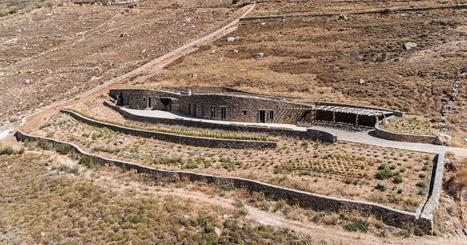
(234, 51)
(231, 39)
(442, 138)
(342, 17)
(409, 45)
(258, 55)
(361, 81)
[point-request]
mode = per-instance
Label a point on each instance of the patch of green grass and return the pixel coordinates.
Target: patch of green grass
(358, 225)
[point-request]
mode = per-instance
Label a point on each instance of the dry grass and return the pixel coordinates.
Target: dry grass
(412, 125)
(351, 169)
(48, 204)
(198, 132)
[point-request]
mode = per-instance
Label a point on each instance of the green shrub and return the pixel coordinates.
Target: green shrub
(359, 225)
(45, 145)
(7, 150)
(348, 181)
(397, 179)
(421, 184)
(66, 169)
(63, 149)
(384, 173)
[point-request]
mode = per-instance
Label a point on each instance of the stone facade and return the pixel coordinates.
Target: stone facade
(218, 103)
(311, 134)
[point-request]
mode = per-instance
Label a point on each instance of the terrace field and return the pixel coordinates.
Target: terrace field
(396, 178)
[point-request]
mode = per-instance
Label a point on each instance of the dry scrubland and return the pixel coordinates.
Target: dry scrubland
(58, 201)
(324, 59)
(391, 177)
(58, 49)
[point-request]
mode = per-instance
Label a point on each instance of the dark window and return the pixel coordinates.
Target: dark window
(194, 110)
(271, 115)
(223, 113)
(189, 109)
(203, 113)
(244, 112)
(262, 116)
(149, 102)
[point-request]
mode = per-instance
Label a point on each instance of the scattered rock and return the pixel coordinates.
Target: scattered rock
(217, 231)
(231, 39)
(27, 81)
(361, 81)
(342, 17)
(213, 51)
(124, 34)
(263, 23)
(409, 45)
(234, 51)
(118, 142)
(465, 231)
(194, 75)
(442, 138)
(258, 55)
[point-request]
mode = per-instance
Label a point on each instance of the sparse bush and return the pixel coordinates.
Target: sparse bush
(67, 169)
(421, 184)
(384, 172)
(359, 225)
(380, 187)
(348, 181)
(397, 179)
(7, 150)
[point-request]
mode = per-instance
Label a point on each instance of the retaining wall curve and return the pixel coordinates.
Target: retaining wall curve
(311, 134)
(385, 134)
(175, 138)
(304, 199)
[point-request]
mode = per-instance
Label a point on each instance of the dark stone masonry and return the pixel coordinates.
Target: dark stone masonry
(219, 103)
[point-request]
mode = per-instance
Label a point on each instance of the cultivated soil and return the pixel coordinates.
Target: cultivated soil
(306, 165)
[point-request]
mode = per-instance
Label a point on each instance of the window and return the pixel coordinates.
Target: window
(271, 115)
(189, 109)
(244, 112)
(203, 113)
(213, 113)
(223, 113)
(194, 110)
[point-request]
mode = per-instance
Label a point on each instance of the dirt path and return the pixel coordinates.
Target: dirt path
(33, 121)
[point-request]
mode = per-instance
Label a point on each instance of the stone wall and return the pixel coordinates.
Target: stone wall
(179, 139)
(311, 134)
(304, 199)
(239, 107)
(385, 134)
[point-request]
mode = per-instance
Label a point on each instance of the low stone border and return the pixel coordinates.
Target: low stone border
(311, 134)
(385, 134)
(176, 138)
(304, 199)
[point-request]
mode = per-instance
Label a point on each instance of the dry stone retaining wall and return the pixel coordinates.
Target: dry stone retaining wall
(385, 134)
(311, 134)
(304, 199)
(179, 139)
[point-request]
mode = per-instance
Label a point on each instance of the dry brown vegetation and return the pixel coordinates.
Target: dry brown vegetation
(324, 59)
(411, 124)
(55, 52)
(53, 202)
(396, 178)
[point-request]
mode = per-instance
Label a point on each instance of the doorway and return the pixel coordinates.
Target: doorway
(262, 116)
(149, 102)
(213, 113)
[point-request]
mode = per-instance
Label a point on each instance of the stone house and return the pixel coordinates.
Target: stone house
(220, 103)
